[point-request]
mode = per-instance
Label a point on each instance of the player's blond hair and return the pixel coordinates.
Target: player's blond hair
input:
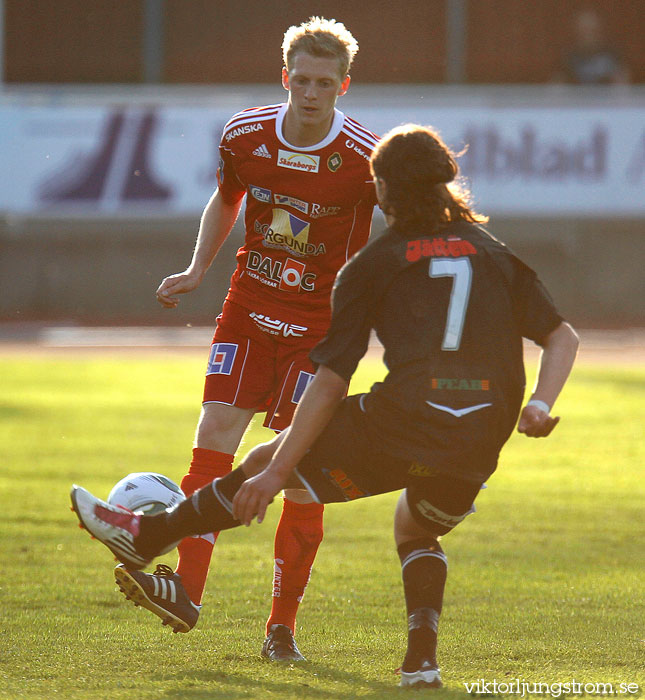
(320, 37)
(421, 179)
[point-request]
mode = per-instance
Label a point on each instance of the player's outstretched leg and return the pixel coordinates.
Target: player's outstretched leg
(136, 540)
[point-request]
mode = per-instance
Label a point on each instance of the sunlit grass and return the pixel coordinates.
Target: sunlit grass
(546, 580)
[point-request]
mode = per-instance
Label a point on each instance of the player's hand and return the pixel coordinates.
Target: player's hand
(176, 284)
(255, 494)
(534, 422)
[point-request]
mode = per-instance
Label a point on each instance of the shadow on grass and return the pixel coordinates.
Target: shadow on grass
(241, 685)
(25, 519)
(9, 410)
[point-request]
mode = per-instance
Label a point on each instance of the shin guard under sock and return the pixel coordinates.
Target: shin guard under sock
(195, 552)
(297, 538)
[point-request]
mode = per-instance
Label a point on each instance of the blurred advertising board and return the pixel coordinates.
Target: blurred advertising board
(161, 160)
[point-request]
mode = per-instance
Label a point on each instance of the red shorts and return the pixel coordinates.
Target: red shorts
(259, 363)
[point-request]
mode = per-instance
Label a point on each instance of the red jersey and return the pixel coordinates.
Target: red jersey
(308, 210)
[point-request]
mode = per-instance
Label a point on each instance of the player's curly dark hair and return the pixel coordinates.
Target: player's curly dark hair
(420, 173)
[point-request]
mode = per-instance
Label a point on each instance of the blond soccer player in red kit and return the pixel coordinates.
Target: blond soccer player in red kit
(303, 167)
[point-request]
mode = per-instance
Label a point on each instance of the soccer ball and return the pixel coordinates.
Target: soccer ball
(146, 492)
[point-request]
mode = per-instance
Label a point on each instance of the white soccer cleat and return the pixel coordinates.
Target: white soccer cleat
(427, 676)
(115, 527)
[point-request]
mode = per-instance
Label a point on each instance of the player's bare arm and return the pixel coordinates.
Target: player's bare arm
(320, 400)
(557, 358)
(215, 225)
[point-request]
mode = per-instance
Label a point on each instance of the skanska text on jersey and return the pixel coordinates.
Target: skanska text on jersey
(246, 129)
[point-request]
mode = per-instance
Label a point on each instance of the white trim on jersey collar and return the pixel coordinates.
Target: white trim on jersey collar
(336, 126)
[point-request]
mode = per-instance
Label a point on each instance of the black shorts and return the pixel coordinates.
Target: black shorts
(346, 463)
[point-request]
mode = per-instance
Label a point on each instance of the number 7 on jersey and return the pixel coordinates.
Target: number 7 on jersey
(461, 272)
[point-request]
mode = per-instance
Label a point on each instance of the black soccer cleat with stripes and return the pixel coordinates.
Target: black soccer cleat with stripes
(162, 593)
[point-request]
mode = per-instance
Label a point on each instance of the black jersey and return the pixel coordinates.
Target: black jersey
(451, 310)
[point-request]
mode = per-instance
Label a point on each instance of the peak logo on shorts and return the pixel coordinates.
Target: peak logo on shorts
(298, 161)
(287, 232)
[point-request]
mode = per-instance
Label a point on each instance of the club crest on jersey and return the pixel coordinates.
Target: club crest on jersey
(287, 232)
(334, 162)
(298, 161)
(260, 193)
(221, 358)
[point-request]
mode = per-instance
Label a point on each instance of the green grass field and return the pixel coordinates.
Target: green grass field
(546, 582)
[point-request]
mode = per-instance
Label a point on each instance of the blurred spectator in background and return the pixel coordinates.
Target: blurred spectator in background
(592, 60)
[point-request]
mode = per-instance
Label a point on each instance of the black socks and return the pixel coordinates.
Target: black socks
(207, 510)
(424, 568)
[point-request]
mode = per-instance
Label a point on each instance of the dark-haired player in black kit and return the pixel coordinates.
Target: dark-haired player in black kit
(450, 305)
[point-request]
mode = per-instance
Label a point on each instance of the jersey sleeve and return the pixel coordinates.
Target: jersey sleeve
(348, 336)
(537, 314)
(231, 188)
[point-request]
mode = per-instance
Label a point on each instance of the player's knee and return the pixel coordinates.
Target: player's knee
(258, 458)
(301, 496)
(213, 419)
(427, 516)
(407, 527)
(221, 427)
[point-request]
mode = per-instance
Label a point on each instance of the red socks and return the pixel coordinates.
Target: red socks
(299, 533)
(195, 552)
